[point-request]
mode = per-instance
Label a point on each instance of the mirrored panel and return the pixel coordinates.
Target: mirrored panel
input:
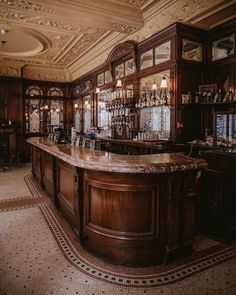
(104, 116)
(146, 59)
(77, 115)
(119, 71)
(192, 50)
(156, 119)
(130, 67)
(162, 52)
(108, 77)
(225, 128)
(221, 128)
(87, 113)
(100, 79)
(32, 115)
(223, 47)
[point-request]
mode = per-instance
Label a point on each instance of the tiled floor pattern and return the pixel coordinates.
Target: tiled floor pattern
(32, 261)
(153, 279)
(12, 185)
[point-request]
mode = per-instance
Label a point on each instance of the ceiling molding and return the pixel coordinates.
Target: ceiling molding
(81, 34)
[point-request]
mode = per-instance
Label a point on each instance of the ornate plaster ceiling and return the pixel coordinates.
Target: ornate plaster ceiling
(60, 40)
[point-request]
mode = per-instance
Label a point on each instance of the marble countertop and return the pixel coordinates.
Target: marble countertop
(109, 162)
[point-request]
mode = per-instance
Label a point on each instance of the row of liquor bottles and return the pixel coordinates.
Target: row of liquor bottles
(123, 120)
(148, 98)
(151, 98)
(209, 96)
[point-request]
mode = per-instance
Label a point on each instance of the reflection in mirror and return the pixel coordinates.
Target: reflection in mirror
(77, 116)
(156, 119)
(130, 67)
(32, 116)
(108, 77)
(192, 50)
(87, 113)
(100, 79)
(146, 59)
(104, 117)
(223, 47)
(119, 71)
(162, 52)
(56, 115)
(221, 128)
(226, 130)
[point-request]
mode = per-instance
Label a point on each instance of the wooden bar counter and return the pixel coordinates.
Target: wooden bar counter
(130, 210)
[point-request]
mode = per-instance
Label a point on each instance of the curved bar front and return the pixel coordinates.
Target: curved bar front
(131, 210)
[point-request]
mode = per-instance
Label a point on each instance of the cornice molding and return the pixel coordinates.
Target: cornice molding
(96, 56)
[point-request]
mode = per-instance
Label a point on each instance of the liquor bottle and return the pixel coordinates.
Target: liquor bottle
(197, 97)
(231, 95)
(220, 95)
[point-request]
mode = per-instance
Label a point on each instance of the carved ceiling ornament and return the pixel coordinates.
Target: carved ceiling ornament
(9, 71)
(82, 45)
(22, 4)
(160, 15)
(78, 58)
(36, 19)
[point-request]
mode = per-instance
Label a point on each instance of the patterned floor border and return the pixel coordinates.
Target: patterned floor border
(34, 192)
(152, 280)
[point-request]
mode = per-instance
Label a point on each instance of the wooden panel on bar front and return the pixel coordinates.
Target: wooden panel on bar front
(67, 185)
(36, 163)
(47, 175)
(122, 220)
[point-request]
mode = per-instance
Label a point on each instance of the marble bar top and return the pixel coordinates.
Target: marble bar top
(109, 162)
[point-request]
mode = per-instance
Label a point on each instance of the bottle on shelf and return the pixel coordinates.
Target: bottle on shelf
(197, 98)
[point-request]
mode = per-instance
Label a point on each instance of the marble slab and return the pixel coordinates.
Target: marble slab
(110, 162)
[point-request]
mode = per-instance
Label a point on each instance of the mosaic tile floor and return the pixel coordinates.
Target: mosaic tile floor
(11, 184)
(35, 259)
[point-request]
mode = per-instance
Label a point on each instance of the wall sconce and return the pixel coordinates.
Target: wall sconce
(87, 105)
(119, 83)
(3, 31)
(76, 106)
(163, 82)
(154, 86)
(97, 90)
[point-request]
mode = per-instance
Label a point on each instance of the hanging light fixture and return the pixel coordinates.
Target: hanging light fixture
(97, 90)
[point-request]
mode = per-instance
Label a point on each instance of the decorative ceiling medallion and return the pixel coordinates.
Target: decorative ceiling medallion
(23, 43)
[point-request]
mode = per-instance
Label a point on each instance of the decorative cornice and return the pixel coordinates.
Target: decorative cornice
(83, 44)
(35, 19)
(23, 5)
(57, 75)
(9, 71)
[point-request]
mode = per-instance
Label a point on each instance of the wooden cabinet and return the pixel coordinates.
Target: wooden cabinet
(218, 201)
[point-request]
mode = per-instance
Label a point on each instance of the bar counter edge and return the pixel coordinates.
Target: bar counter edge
(130, 210)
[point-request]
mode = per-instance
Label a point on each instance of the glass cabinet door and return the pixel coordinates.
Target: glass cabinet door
(225, 128)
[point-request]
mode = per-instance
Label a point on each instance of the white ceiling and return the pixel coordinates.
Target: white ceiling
(60, 40)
